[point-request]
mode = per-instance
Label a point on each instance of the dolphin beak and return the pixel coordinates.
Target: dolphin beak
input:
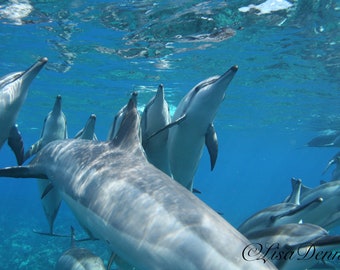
(28, 75)
(57, 105)
(221, 83)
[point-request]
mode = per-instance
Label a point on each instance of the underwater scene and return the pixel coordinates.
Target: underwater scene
(236, 104)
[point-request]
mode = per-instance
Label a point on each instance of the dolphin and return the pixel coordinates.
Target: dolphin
(146, 218)
(13, 93)
(155, 117)
(330, 138)
(54, 128)
(186, 139)
(118, 118)
(336, 172)
(278, 214)
(327, 214)
(294, 245)
(78, 258)
(87, 133)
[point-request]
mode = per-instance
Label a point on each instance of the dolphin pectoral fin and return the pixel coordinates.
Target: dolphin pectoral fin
(297, 209)
(16, 143)
(176, 122)
(50, 234)
(197, 191)
(21, 172)
(330, 163)
(48, 188)
(111, 260)
(212, 145)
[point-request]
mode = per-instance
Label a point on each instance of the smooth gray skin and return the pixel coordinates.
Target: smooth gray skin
(278, 214)
(13, 93)
(54, 128)
(118, 119)
(78, 258)
(327, 214)
(296, 241)
(144, 216)
(186, 140)
(329, 139)
(156, 116)
(87, 133)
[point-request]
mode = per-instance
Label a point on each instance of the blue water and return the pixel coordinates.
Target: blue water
(285, 92)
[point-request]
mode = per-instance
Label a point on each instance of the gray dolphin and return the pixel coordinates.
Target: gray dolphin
(294, 246)
(278, 214)
(118, 119)
(155, 117)
(186, 140)
(87, 133)
(77, 258)
(145, 217)
(54, 128)
(327, 214)
(336, 172)
(329, 138)
(13, 93)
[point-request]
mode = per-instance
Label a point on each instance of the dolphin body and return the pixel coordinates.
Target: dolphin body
(155, 117)
(87, 132)
(329, 138)
(145, 217)
(327, 214)
(336, 172)
(118, 118)
(278, 214)
(294, 245)
(54, 128)
(77, 258)
(13, 93)
(186, 140)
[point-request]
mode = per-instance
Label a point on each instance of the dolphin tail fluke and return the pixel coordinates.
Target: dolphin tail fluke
(21, 172)
(16, 143)
(212, 145)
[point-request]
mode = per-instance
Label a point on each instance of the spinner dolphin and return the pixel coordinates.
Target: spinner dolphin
(145, 217)
(13, 93)
(186, 140)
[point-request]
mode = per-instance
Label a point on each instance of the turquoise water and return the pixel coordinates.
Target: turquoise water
(285, 92)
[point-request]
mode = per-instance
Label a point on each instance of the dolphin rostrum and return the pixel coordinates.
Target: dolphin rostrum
(13, 93)
(54, 128)
(146, 218)
(186, 139)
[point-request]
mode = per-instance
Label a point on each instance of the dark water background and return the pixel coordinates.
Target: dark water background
(285, 92)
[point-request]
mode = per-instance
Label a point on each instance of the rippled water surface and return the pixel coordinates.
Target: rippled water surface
(285, 93)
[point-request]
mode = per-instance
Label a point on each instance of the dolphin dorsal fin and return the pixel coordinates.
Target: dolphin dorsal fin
(296, 190)
(128, 133)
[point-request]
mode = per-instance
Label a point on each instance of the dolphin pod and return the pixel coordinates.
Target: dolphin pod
(13, 93)
(145, 217)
